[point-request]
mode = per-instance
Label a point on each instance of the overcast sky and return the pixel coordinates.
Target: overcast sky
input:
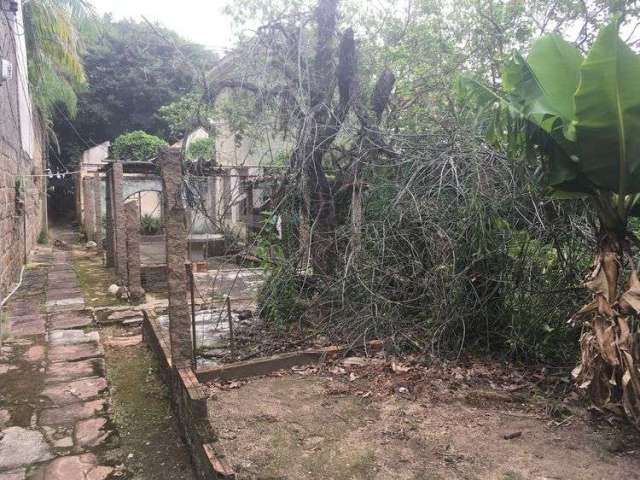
(198, 20)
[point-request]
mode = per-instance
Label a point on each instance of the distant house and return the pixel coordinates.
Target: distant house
(91, 161)
(138, 184)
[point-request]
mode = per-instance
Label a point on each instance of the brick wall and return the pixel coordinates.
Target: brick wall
(19, 226)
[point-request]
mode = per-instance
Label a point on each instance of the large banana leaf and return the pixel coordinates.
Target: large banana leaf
(556, 64)
(608, 115)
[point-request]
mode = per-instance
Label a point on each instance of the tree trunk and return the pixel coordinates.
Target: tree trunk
(610, 350)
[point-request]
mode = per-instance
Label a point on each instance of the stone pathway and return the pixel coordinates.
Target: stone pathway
(54, 399)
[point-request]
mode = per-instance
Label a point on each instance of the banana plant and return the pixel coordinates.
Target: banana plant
(581, 117)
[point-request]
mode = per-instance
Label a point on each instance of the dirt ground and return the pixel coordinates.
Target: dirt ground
(368, 421)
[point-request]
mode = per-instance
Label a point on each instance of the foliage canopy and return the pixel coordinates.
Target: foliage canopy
(137, 146)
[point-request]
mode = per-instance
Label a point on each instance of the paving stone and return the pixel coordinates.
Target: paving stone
(21, 342)
(64, 321)
(123, 315)
(5, 417)
(124, 341)
(65, 304)
(69, 414)
(72, 353)
(20, 447)
(78, 390)
(25, 309)
(62, 294)
(90, 433)
(57, 272)
(72, 337)
(77, 467)
(6, 368)
(133, 322)
(14, 475)
(34, 354)
(67, 371)
(66, 442)
(28, 317)
(28, 328)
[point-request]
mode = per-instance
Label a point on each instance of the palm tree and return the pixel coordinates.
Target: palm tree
(56, 73)
(581, 116)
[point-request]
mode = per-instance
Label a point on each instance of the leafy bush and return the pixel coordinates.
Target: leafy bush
(150, 225)
(137, 146)
(43, 238)
(451, 260)
(202, 149)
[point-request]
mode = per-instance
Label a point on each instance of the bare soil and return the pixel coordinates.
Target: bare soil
(383, 420)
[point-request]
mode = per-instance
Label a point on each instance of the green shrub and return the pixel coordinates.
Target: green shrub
(202, 149)
(137, 146)
(150, 225)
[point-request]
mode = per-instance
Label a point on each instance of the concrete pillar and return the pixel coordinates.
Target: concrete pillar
(120, 225)
(97, 205)
(77, 181)
(176, 244)
(110, 237)
(89, 217)
(212, 202)
(249, 196)
(236, 194)
(136, 292)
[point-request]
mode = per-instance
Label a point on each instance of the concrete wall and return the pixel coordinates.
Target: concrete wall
(19, 225)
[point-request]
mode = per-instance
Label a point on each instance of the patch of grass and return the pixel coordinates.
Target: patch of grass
(94, 280)
(4, 325)
(143, 416)
(512, 476)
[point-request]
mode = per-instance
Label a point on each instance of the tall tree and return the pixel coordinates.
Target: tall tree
(313, 75)
(133, 69)
(56, 70)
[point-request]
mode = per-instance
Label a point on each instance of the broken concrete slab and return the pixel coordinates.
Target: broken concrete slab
(133, 322)
(72, 337)
(77, 467)
(20, 447)
(114, 315)
(90, 433)
(69, 414)
(78, 390)
(67, 371)
(72, 353)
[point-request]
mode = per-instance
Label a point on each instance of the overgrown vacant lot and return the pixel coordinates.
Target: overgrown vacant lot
(360, 419)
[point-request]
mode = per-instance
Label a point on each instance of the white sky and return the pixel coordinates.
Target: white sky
(200, 21)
